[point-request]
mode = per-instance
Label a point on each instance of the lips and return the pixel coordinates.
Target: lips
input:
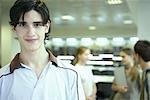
(31, 40)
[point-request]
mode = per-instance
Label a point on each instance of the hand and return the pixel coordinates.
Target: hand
(122, 89)
(90, 98)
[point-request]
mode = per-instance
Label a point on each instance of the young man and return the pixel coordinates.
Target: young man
(142, 56)
(34, 73)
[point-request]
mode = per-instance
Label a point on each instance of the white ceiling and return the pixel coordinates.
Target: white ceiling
(108, 19)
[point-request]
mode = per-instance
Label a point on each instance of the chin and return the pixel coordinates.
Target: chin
(32, 48)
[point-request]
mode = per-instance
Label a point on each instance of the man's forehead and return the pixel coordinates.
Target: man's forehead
(31, 16)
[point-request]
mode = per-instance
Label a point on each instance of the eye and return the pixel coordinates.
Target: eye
(38, 24)
(21, 24)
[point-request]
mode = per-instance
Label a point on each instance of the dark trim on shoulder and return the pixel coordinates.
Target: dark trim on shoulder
(10, 72)
(16, 63)
(73, 71)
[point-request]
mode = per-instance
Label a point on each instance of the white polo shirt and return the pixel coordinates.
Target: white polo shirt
(19, 82)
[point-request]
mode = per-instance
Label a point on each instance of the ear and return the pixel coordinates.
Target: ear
(13, 29)
(135, 55)
(48, 25)
(14, 32)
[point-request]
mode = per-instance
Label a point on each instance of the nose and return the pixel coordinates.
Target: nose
(31, 30)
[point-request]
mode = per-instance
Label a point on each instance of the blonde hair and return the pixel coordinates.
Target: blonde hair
(78, 52)
(133, 72)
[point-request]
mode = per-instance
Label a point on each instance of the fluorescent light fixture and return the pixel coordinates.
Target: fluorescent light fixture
(118, 17)
(102, 18)
(57, 20)
(117, 58)
(113, 2)
(86, 42)
(66, 61)
(65, 57)
(118, 41)
(67, 17)
(127, 21)
(72, 42)
(95, 57)
(103, 78)
(106, 55)
(92, 28)
(100, 62)
(58, 42)
(102, 42)
(134, 39)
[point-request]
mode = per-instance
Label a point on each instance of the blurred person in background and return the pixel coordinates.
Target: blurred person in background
(142, 55)
(81, 57)
(131, 91)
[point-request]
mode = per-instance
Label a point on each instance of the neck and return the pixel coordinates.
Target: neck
(81, 63)
(37, 58)
(145, 65)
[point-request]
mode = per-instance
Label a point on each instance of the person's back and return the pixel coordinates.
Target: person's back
(142, 56)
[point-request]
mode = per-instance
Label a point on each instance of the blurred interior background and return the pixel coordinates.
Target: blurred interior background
(105, 26)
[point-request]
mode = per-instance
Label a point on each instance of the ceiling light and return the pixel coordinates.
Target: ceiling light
(92, 28)
(100, 62)
(127, 21)
(112, 2)
(134, 39)
(72, 42)
(118, 41)
(58, 42)
(86, 42)
(67, 17)
(102, 42)
(106, 55)
(65, 57)
(102, 18)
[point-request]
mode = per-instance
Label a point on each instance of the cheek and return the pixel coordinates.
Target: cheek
(86, 57)
(42, 32)
(124, 59)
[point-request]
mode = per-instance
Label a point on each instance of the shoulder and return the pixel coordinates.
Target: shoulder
(65, 65)
(147, 71)
(4, 70)
(68, 71)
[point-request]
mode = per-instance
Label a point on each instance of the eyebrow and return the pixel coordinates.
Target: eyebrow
(33, 22)
(36, 22)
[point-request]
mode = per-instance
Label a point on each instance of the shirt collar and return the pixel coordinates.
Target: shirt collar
(16, 63)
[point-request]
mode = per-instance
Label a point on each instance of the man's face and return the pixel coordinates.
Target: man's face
(31, 31)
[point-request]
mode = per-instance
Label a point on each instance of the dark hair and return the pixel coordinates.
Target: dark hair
(128, 51)
(20, 7)
(79, 51)
(142, 48)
